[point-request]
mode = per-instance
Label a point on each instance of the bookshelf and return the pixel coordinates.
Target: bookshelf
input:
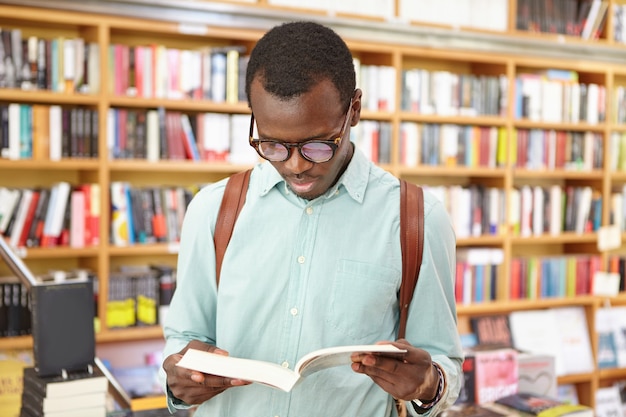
(408, 46)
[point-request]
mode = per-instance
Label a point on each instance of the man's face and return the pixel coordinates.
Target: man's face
(319, 115)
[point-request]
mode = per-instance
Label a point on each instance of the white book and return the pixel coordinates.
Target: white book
(14, 131)
(76, 402)
(69, 60)
(240, 150)
(274, 374)
(93, 68)
(583, 208)
(536, 331)
(537, 210)
(526, 213)
(495, 204)
(216, 138)
(153, 144)
(515, 211)
(556, 212)
(593, 95)
(575, 345)
(608, 402)
(59, 196)
(575, 103)
(55, 132)
(20, 218)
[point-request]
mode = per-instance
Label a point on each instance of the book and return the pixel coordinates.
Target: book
(492, 330)
(536, 374)
(273, 374)
(496, 374)
(76, 383)
(543, 406)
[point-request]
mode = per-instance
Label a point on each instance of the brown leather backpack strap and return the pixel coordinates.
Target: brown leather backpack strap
(412, 244)
(232, 202)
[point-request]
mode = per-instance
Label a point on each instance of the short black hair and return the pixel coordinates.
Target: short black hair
(293, 57)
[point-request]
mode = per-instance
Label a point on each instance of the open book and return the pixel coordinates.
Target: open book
(273, 374)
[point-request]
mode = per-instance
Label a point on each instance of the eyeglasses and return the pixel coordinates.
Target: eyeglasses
(314, 150)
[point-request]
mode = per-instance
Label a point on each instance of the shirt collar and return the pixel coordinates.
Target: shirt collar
(354, 179)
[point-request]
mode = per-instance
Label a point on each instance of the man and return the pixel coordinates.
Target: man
(314, 260)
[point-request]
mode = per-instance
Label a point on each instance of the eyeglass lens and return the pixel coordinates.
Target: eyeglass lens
(313, 151)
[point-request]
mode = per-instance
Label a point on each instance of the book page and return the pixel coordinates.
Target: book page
(267, 373)
(273, 374)
(339, 355)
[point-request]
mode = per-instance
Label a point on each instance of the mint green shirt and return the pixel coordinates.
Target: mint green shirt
(302, 275)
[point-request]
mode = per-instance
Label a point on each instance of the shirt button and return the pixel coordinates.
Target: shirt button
(294, 311)
(285, 364)
(300, 259)
(309, 210)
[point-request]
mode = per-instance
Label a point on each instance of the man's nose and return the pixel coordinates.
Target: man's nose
(296, 162)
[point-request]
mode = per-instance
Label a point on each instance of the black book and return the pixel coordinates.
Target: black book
(75, 383)
(62, 326)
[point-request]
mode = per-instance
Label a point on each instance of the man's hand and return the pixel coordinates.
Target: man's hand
(405, 377)
(195, 387)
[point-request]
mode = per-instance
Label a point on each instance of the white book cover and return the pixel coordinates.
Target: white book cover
(153, 144)
(526, 211)
(55, 133)
(538, 205)
(575, 103)
(515, 212)
(576, 356)
(56, 209)
(14, 131)
(556, 213)
(537, 331)
(93, 68)
(592, 103)
(583, 208)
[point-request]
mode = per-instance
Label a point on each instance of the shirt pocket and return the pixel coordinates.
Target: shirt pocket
(361, 299)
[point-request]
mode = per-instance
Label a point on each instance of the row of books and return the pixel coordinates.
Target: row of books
(583, 18)
(157, 134)
(61, 64)
(475, 210)
(539, 149)
(557, 96)
(553, 276)
(478, 269)
(449, 94)
(62, 215)
(374, 139)
(452, 145)
(378, 83)
(15, 310)
(139, 295)
(479, 14)
(476, 276)
(147, 71)
(561, 332)
(47, 132)
(142, 215)
(537, 210)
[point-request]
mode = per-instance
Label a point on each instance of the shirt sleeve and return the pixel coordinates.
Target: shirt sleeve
(432, 320)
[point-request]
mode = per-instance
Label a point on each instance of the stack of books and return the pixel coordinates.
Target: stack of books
(79, 394)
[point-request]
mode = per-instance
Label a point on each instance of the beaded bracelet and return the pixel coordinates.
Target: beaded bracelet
(422, 407)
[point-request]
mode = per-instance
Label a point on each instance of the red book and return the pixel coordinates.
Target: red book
(30, 215)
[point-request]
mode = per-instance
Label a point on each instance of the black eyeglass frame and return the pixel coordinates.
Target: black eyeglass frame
(333, 143)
